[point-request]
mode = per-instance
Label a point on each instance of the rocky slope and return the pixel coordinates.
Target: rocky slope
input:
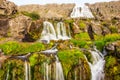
(7, 8)
(106, 10)
(49, 10)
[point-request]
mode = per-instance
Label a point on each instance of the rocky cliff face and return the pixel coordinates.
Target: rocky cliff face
(7, 8)
(50, 10)
(106, 10)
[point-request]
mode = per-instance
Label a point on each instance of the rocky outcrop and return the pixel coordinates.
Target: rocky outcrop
(106, 10)
(18, 26)
(113, 49)
(4, 27)
(50, 10)
(7, 8)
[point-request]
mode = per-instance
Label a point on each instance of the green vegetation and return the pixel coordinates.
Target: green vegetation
(112, 68)
(69, 21)
(104, 40)
(69, 58)
(82, 25)
(13, 47)
(110, 61)
(113, 29)
(33, 15)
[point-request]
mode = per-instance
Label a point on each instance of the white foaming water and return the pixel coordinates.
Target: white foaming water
(61, 31)
(59, 70)
(49, 32)
(27, 71)
(46, 71)
(81, 11)
(97, 66)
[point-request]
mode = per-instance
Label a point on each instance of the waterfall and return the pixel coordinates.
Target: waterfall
(48, 73)
(59, 70)
(27, 71)
(48, 32)
(97, 65)
(61, 31)
(82, 11)
(7, 76)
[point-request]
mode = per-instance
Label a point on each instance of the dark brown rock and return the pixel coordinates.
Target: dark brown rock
(4, 27)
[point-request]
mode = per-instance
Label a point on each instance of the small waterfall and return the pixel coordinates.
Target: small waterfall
(61, 31)
(8, 71)
(46, 71)
(48, 32)
(27, 71)
(49, 71)
(97, 65)
(82, 11)
(59, 70)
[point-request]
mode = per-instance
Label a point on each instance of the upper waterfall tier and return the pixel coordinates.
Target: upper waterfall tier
(54, 33)
(81, 12)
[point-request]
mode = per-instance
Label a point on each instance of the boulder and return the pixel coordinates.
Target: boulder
(113, 49)
(7, 8)
(33, 31)
(19, 26)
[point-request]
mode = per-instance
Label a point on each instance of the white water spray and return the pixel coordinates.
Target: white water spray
(48, 32)
(81, 12)
(59, 70)
(61, 31)
(27, 71)
(97, 65)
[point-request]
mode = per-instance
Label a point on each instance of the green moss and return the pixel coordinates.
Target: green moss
(100, 44)
(111, 37)
(110, 61)
(69, 58)
(35, 47)
(69, 21)
(79, 43)
(82, 25)
(33, 15)
(33, 59)
(82, 36)
(113, 29)
(13, 47)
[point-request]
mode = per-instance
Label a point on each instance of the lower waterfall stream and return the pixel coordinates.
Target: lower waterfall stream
(55, 71)
(97, 65)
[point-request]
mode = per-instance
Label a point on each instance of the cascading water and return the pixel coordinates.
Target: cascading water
(48, 32)
(27, 71)
(61, 31)
(58, 67)
(59, 70)
(97, 65)
(82, 11)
